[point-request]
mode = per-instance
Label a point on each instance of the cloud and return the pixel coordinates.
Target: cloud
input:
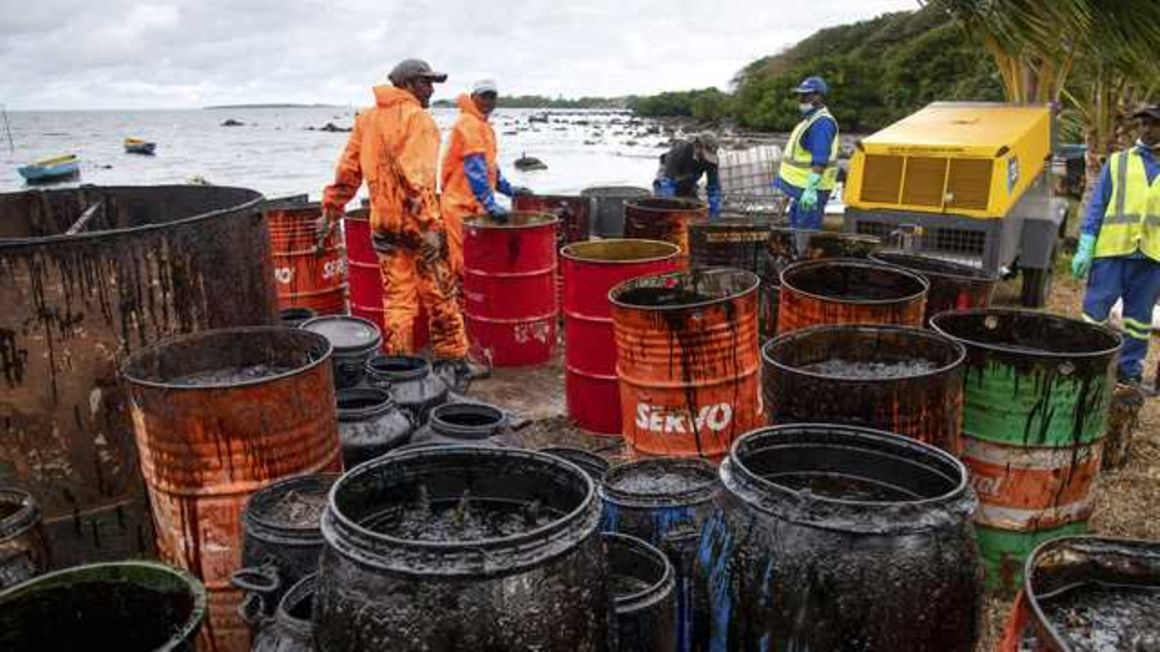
(60, 54)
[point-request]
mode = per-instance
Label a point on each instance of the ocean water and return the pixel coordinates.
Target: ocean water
(277, 154)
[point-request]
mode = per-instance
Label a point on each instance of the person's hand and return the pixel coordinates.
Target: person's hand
(1081, 262)
(323, 226)
(498, 213)
(431, 245)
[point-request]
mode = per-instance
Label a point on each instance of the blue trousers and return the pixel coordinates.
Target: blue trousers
(800, 219)
(1137, 281)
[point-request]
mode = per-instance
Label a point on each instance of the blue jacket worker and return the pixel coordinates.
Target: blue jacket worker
(809, 165)
(682, 166)
(1119, 243)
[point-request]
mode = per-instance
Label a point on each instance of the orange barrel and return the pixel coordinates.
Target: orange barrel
(366, 285)
(848, 291)
(509, 287)
(219, 415)
(953, 286)
(305, 275)
(687, 359)
(664, 218)
(591, 269)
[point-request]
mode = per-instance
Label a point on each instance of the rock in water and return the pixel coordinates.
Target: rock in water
(526, 162)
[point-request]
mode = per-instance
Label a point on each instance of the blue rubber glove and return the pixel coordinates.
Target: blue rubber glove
(664, 187)
(714, 197)
(809, 198)
(1081, 262)
(475, 168)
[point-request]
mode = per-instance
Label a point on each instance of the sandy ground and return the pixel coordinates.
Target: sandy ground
(1125, 499)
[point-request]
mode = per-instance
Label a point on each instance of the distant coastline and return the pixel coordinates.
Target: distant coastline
(271, 106)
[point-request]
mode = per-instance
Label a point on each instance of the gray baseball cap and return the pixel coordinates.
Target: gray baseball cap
(708, 142)
(1150, 110)
(409, 69)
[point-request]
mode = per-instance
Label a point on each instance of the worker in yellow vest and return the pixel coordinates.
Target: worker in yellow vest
(809, 164)
(1119, 243)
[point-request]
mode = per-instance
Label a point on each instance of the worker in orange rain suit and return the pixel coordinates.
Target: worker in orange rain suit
(394, 146)
(470, 173)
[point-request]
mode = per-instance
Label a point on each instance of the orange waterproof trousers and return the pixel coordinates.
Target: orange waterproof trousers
(407, 280)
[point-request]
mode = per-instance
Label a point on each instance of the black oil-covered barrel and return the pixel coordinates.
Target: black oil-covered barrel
(644, 595)
(902, 380)
(833, 537)
(23, 549)
(291, 629)
(133, 605)
(466, 423)
(592, 464)
(609, 210)
(665, 501)
(463, 548)
(293, 317)
(741, 243)
(281, 541)
(412, 385)
(953, 286)
(370, 424)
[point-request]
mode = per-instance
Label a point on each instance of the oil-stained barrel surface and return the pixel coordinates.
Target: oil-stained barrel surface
(148, 263)
(1037, 392)
(953, 286)
(740, 243)
(1091, 593)
(898, 379)
(845, 291)
(307, 273)
(831, 537)
(573, 211)
(463, 548)
(23, 548)
(644, 595)
(664, 218)
(609, 207)
(688, 361)
(219, 415)
(132, 606)
(291, 629)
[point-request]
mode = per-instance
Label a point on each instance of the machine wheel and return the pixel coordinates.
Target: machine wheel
(1036, 287)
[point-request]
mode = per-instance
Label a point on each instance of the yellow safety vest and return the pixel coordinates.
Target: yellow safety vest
(797, 160)
(1132, 218)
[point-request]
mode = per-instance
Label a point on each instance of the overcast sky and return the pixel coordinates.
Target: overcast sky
(69, 54)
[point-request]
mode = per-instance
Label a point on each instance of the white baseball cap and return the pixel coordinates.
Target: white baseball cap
(484, 86)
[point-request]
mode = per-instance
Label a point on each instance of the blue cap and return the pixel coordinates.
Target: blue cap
(812, 85)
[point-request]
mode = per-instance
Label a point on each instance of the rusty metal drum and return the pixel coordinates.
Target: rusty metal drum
(953, 286)
(688, 362)
(509, 287)
(848, 291)
(305, 274)
(664, 218)
(219, 415)
(141, 264)
(591, 269)
(608, 207)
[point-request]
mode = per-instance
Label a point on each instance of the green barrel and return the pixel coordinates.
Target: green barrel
(1037, 388)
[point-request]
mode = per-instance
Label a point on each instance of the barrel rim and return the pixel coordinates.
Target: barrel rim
(25, 516)
(417, 371)
(753, 282)
(127, 369)
(960, 351)
(333, 519)
(654, 592)
(254, 201)
(969, 273)
(197, 613)
(602, 192)
(385, 401)
(1103, 331)
(1029, 566)
(252, 516)
(436, 420)
(299, 628)
(691, 496)
(690, 205)
(571, 251)
(360, 214)
(485, 221)
(370, 345)
(865, 238)
(899, 442)
(853, 262)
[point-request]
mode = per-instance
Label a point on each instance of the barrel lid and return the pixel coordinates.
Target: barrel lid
(345, 333)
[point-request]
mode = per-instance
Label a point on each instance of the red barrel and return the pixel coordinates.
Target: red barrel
(591, 269)
(366, 286)
(575, 215)
(219, 415)
(848, 291)
(664, 218)
(687, 360)
(306, 275)
(509, 287)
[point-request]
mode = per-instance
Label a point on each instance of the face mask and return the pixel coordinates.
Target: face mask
(805, 107)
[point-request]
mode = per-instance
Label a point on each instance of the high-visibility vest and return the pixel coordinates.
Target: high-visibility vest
(1132, 218)
(797, 160)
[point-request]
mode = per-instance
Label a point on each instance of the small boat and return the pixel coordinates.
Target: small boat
(138, 146)
(51, 169)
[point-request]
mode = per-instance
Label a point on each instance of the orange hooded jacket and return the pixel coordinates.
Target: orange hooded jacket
(472, 134)
(394, 147)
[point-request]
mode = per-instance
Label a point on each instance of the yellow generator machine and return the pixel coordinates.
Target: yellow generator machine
(963, 181)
